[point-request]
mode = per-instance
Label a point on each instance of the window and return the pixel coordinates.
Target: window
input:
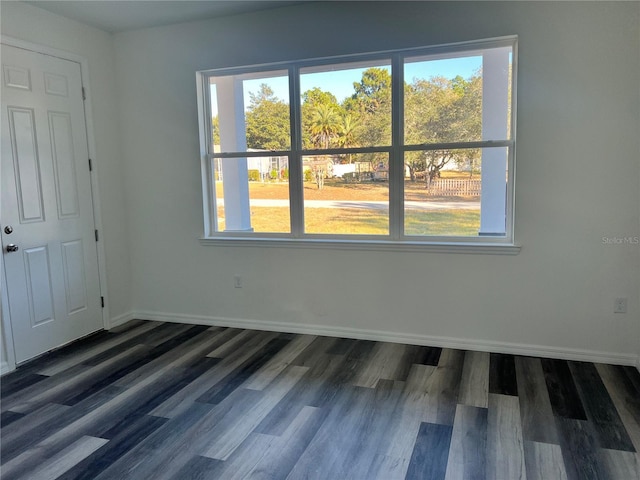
(396, 148)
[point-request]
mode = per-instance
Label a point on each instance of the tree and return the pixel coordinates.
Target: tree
(267, 121)
(311, 99)
(215, 130)
(371, 106)
(324, 129)
(348, 128)
(415, 162)
(316, 96)
(441, 110)
(373, 91)
(324, 125)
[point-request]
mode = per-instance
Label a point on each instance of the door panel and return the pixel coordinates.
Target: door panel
(52, 279)
(26, 164)
(17, 77)
(74, 276)
(64, 164)
(39, 291)
(56, 84)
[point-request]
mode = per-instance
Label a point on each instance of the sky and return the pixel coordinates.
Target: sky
(340, 83)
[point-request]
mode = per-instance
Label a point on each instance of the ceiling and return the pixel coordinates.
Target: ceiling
(118, 15)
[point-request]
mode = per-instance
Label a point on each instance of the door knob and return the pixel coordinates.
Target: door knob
(12, 248)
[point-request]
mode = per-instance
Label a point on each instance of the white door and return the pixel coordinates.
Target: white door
(47, 227)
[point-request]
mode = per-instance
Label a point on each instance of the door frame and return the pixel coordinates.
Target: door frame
(95, 196)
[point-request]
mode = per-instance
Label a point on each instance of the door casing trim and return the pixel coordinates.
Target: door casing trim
(95, 195)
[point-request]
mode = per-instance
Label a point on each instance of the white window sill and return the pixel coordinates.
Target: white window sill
(366, 245)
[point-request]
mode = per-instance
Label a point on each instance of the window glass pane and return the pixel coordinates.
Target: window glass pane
(346, 105)
(252, 194)
(459, 192)
(346, 194)
(458, 98)
(250, 112)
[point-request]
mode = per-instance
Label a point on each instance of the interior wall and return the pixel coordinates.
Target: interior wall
(577, 181)
(38, 26)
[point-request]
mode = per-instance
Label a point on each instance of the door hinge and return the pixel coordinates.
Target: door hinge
(96, 232)
(90, 166)
(84, 94)
(102, 301)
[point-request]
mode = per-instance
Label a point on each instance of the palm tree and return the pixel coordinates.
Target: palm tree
(324, 128)
(347, 132)
(324, 125)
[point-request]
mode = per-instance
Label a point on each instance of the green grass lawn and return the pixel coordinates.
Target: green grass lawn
(356, 221)
(366, 222)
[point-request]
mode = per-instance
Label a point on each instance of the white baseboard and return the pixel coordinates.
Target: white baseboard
(120, 320)
(386, 336)
(5, 368)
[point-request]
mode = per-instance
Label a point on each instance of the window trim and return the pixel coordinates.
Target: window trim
(396, 239)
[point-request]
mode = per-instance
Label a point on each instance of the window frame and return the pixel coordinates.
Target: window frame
(396, 239)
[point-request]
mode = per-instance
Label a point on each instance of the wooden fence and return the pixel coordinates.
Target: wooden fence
(455, 187)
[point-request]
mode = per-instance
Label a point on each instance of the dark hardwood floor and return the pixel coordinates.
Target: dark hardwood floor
(158, 401)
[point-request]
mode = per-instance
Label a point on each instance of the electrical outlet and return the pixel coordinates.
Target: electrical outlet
(237, 281)
(620, 305)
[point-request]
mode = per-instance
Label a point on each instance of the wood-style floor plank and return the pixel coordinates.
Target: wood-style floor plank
(505, 445)
(444, 387)
(163, 445)
(502, 376)
(414, 408)
(26, 442)
(28, 424)
(383, 364)
(230, 436)
(467, 454)
(265, 375)
(620, 465)
(563, 394)
(71, 389)
(600, 409)
(270, 456)
(198, 468)
(544, 461)
(18, 381)
(625, 399)
(8, 417)
(75, 358)
(373, 433)
(307, 392)
(122, 438)
(474, 384)
(580, 450)
(152, 400)
(330, 451)
(538, 423)
(430, 453)
(55, 466)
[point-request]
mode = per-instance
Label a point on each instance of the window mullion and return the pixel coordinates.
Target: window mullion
(396, 162)
(296, 198)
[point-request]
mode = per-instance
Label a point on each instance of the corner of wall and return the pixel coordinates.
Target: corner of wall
(120, 320)
(5, 368)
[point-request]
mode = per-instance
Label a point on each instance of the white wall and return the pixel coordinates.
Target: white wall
(577, 181)
(35, 25)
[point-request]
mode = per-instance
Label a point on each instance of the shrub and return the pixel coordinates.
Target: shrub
(349, 177)
(308, 176)
(254, 175)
